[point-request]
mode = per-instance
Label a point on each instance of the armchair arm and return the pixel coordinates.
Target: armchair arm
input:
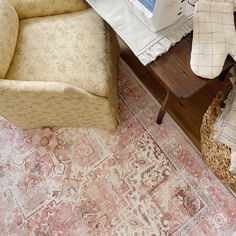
(33, 8)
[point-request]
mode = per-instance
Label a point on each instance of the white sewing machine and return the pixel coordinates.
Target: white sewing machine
(157, 14)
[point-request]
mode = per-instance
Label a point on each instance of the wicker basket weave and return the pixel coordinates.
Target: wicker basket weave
(215, 154)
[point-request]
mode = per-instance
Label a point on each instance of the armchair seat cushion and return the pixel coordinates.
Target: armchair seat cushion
(69, 48)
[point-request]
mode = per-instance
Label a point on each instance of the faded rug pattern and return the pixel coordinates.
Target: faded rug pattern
(140, 180)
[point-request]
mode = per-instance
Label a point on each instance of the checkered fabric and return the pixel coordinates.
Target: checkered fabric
(193, 2)
(225, 125)
(214, 37)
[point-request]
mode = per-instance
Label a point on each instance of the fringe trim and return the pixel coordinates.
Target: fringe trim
(173, 36)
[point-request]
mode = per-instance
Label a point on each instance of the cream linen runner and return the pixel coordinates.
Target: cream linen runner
(146, 45)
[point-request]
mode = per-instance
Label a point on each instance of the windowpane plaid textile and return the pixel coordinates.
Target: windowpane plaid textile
(193, 2)
(214, 37)
(225, 126)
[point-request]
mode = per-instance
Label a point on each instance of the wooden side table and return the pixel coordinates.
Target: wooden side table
(173, 71)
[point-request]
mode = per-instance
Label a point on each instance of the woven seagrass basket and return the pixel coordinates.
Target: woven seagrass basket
(215, 154)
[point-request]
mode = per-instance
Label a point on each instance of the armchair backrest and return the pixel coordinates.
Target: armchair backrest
(35, 8)
(9, 24)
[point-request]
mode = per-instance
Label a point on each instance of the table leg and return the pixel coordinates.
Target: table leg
(168, 99)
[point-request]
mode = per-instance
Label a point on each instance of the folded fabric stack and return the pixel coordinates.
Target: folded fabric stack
(225, 126)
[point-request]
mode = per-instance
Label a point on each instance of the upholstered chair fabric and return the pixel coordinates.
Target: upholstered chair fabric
(62, 73)
(62, 48)
(37, 104)
(9, 24)
(34, 8)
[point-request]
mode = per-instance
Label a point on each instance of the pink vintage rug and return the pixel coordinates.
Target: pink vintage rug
(141, 180)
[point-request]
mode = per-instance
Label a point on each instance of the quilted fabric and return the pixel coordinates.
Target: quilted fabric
(70, 48)
(34, 8)
(9, 23)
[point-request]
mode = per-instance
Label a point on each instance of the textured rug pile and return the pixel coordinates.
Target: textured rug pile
(140, 180)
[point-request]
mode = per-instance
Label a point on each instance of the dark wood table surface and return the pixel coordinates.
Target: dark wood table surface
(173, 71)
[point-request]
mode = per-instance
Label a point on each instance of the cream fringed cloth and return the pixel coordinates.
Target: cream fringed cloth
(225, 126)
(146, 45)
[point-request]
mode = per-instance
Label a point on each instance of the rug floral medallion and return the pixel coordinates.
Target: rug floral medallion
(140, 180)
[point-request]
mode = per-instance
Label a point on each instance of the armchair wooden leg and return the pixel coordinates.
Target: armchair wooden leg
(168, 99)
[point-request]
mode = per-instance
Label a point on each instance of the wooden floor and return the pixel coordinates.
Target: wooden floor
(188, 113)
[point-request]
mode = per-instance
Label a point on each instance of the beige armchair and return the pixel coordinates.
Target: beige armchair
(58, 62)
